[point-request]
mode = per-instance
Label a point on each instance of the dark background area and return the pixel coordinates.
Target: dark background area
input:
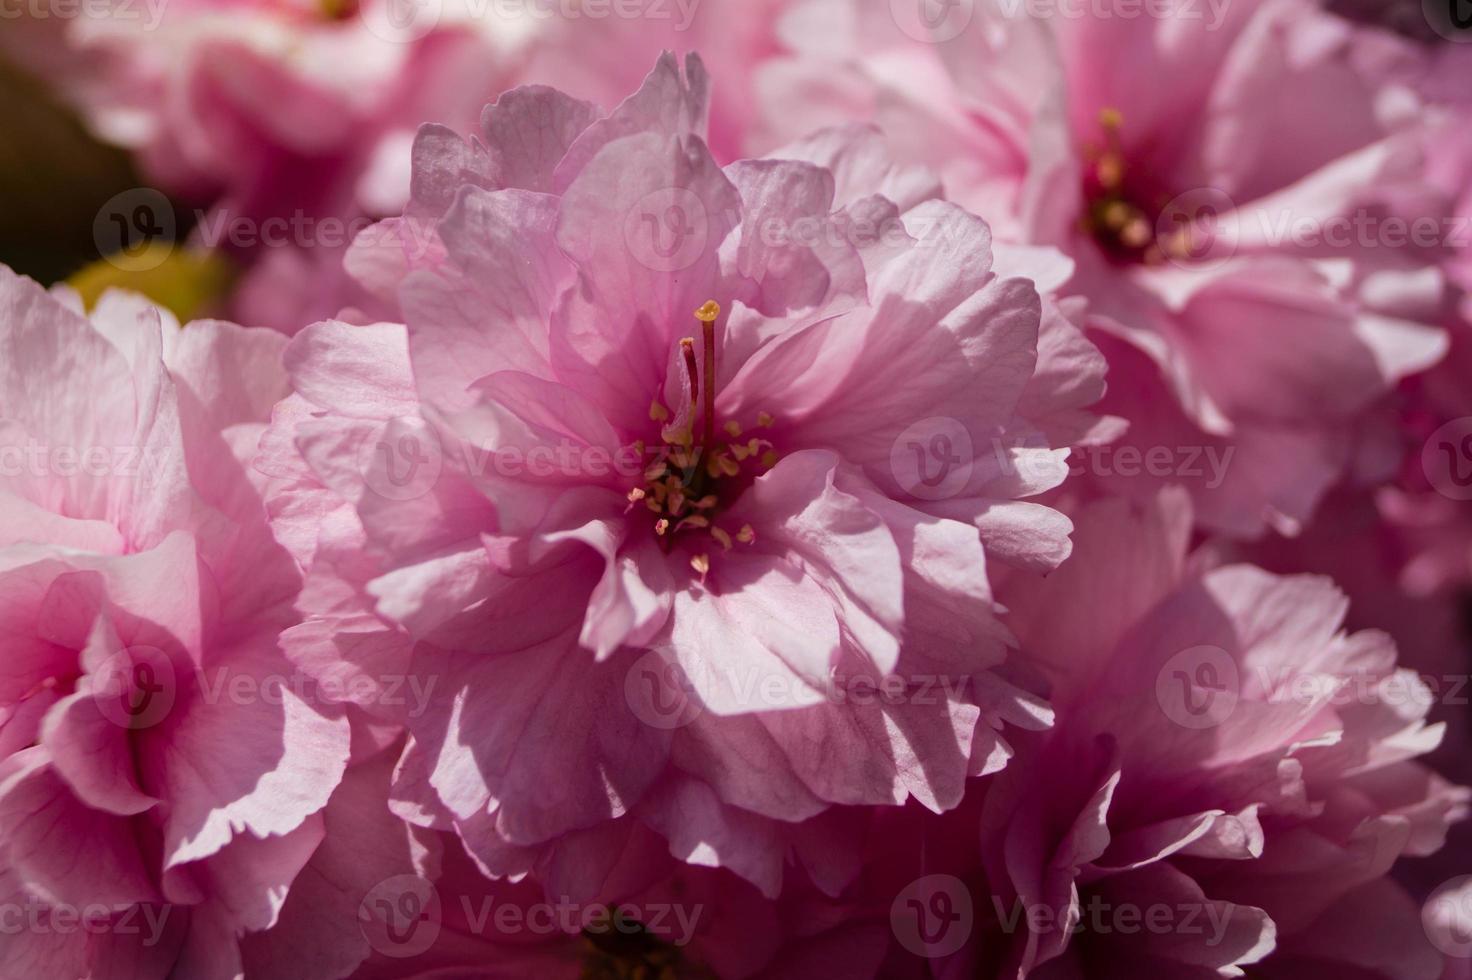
(54, 178)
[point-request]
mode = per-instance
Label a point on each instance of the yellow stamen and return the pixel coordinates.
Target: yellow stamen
(1116, 215)
(733, 428)
(764, 420)
(746, 535)
(661, 526)
(708, 312)
(722, 537)
(701, 563)
(751, 448)
(1136, 234)
(658, 412)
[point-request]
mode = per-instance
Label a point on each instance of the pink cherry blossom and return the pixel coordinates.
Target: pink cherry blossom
(958, 489)
(1231, 230)
(152, 769)
(652, 511)
(365, 857)
(1223, 746)
(654, 914)
(603, 58)
(283, 127)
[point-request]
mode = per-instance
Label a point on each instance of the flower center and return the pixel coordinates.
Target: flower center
(690, 480)
(1121, 212)
(335, 10)
(311, 11)
(631, 952)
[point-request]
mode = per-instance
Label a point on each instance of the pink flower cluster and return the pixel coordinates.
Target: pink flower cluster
(915, 489)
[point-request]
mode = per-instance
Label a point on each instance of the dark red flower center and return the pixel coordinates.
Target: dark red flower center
(690, 478)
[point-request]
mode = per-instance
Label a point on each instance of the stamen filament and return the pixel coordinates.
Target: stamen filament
(707, 315)
(687, 347)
